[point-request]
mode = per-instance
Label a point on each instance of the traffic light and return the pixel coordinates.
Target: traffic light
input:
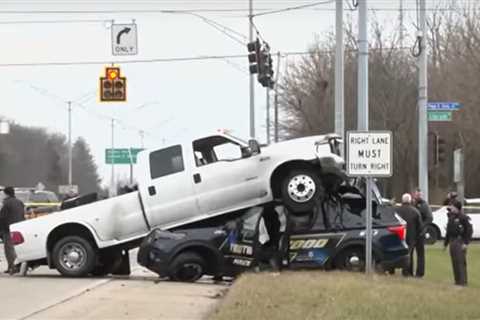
(254, 56)
(113, 87)
(265, 75)
(441, 150)
(261, 62)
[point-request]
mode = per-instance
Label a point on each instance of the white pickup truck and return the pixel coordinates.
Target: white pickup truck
(180, 184)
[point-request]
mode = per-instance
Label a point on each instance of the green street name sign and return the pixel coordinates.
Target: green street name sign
(439, 115)
(121, 156)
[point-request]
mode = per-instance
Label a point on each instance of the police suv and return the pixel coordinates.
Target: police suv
(332, 236)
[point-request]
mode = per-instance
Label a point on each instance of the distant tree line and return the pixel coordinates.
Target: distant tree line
(307, 96)
(31, 155)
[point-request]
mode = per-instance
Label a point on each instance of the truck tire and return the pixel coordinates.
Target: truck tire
(73, 256)
(301, 189)
(187, 267)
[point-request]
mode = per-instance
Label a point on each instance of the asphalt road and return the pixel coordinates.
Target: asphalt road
(45, 294)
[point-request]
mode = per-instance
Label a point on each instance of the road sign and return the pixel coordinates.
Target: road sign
(439, 115)
(122, 156)
(124, 39)
(66, 189)
(444, 106)
(369, 153)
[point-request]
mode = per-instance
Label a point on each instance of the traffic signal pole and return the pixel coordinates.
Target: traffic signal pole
(69, 143)
(422, 106)
(339, 73)
(252, 80)
(268, 115)
(112, 178)
(275, 116)
(363, 118)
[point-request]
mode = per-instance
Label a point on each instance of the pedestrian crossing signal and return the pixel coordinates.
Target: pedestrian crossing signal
(113, 87)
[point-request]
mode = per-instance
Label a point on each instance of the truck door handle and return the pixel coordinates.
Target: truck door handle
(197, 178)
(152, 191)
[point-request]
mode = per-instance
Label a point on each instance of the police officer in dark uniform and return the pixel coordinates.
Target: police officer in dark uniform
(13, 211)
(459, 234)
(427, 218)
(414, 224)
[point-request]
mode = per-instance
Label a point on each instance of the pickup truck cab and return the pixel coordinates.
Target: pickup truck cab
(179, 184)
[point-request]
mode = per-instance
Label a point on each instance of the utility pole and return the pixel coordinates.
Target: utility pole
(252, 80)
(400, 18)
(268, 115)
(363, 117)
(69, 142)
(422, 106)
(142, 136)
(339, 73)
(275, 117)
(112, 178)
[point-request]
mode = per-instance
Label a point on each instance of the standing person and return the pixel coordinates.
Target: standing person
(451, 196)
(414, 224)
(427, 218)
(12, 211)
(459, 234)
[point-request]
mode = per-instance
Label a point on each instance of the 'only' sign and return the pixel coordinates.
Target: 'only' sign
(369, 153)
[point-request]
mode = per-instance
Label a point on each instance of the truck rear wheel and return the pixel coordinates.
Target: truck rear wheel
(73, 256)
(301, 189)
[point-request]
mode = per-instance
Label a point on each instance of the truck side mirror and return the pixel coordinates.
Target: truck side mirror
(254, 146)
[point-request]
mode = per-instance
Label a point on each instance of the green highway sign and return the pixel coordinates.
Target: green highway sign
(439, 115)
(121, 156)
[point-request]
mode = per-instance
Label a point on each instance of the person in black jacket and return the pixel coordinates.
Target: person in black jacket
(427, 218)
(12, 211)
(459, 234)
(414, 225)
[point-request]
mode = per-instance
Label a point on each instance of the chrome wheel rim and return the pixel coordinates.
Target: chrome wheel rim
(72, 256)
(301, 188)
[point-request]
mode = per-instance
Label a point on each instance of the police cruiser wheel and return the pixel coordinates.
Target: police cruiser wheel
(351, 260)
(301, 189)
(187, 267)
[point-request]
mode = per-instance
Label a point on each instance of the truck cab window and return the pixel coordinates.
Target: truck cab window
(216, 148)
(166, 161)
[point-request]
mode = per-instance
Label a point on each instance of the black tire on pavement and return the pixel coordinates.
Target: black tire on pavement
(431, 234)
(301, 189)
(74, 256)
(187, 267)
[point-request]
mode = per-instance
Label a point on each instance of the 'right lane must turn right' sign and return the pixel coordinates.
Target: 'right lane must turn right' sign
(369, 153)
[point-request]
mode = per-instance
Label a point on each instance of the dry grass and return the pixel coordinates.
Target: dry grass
(337, 295)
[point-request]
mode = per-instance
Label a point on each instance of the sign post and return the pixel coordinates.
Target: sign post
(369, 155)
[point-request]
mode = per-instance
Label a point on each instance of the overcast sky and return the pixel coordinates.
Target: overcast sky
(177, 97)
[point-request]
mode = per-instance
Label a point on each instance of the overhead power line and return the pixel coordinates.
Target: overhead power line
(176, 59)
(304, 6)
